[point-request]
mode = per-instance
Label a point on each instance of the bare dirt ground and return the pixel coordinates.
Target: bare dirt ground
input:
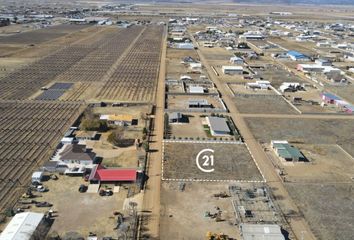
(232, 162)
(180, 102)
(328, 163)
(179, 222)
(314, 131)
(346, 92)
(271, 104)
(310, 94)
(241, 89)
(81, 212)
(328, 208)
(194, 128)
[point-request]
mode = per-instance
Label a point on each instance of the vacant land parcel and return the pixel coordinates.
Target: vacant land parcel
(316, 131)
(257, 103)
(179, 222)
(231, 161)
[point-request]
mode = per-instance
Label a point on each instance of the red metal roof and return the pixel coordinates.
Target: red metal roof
(112, 175)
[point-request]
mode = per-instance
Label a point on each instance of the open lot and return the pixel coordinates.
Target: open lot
(328, 208)
(328, 163)
(311, 131)
(257, 103)
(241, 89)
(180, 102)
(194, 128)
(276, 75)
(232, 162)
(303, 47)
(41, 35)
(310, 102)
(182, 212)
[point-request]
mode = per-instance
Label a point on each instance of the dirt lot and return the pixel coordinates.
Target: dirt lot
(179, 222)
(241, 89)
(328, 208)
(327, 163)
(216, 54)
(346, 92)
(303, 47)
(232, 162)
(277, 75)
(79, 212)
(180, 102)
(308, 96)
(194, 128)
(272, 104)
(313, 131)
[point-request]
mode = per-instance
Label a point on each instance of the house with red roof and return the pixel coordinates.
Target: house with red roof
(100, 174)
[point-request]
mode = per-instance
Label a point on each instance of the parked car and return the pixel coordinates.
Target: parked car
(40, 188)
(106, 192)
(44, 204)
(83, 188)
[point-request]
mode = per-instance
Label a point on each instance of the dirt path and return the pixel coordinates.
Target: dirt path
(299, 225)
(151, 202)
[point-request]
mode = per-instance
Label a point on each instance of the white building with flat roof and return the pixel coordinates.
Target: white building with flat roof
(261, 232)
(232, 70)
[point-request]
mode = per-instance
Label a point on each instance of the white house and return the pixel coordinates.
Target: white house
(74, 155)
(232, 70)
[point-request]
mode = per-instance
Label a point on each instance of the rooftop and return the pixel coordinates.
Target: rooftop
(261, 232)
(112, 175)
(218, 124)
(22, 226)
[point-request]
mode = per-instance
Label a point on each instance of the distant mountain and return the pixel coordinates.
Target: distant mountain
(317, 2)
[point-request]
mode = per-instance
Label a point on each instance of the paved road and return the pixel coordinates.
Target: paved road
(151, 201)
(299, 225)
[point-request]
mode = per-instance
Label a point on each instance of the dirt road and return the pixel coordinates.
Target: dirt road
(151, 202)
(299, 225)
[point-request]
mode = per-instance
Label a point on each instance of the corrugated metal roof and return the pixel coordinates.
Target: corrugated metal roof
(112, 175)
(218, 124)
(261, 232)
(22, 226)
(287, 151)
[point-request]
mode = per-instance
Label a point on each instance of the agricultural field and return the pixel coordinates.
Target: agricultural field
(30, 132)
(258, 103)
(135, 78)
(85, 61)
(232, 162)
(41, 35)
